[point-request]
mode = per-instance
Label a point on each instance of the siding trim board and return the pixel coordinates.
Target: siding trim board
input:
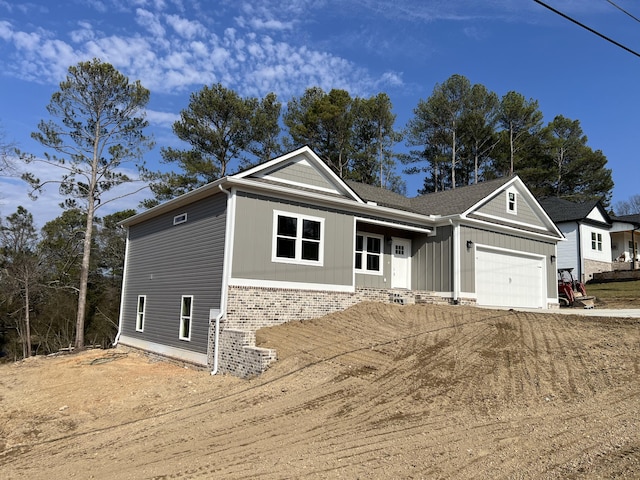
(515, 222)
(249, 282)
(165, 350)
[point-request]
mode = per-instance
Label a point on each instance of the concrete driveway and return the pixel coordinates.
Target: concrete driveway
(600, 312)
(587, 312)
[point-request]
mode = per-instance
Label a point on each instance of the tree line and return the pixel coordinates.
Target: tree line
(460, 134)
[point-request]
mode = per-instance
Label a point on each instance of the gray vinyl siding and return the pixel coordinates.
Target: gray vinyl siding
(167, 261)
(253, 239)
(302, 174)
(431, 269)
(501, 240)
(497, 207)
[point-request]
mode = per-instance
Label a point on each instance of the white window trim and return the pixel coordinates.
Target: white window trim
(141, 314)
(515, 201)
(298, 249)
(181, 335)
(596, 241)
(364, 270)
(178, 219)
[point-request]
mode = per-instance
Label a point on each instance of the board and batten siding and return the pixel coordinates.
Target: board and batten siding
(505, 241)
(431, 268)
(167, 261)
(254, 236)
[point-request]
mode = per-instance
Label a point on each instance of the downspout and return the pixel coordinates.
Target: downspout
(124, 283)
(456, 261)
(228, 238)
(579, 240)
(633, 248)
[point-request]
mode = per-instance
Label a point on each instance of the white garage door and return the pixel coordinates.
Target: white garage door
(509, 280)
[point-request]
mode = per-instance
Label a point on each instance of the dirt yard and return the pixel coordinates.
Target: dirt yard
(377, 391)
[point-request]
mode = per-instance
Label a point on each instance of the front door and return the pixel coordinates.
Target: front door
(401, 263)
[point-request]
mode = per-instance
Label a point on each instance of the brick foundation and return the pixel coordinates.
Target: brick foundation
(593, 266)
(250, 308)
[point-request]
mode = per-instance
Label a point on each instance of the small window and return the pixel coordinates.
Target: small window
(368, 255)
(142, 300)
(186, 313)
(178, 219)
(298, 239)
(596, 241)
(512, 206)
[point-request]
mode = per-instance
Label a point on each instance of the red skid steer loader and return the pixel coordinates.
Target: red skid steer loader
(571, 292)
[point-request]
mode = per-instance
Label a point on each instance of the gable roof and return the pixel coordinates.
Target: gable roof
(380, 196)
(266, 172)
(458, 200)
(561, 210)
(444, 203)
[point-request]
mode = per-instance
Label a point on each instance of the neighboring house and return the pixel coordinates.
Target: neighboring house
(586, 226)
(625, 233)
(289, 240)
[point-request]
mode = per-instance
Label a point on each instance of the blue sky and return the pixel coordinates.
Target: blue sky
(403, 48)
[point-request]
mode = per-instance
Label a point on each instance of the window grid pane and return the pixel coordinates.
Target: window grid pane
(310, 230)
(310, 250)
(287, 226)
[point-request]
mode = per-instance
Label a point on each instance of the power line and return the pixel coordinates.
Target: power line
(624, 11)
(588, 28)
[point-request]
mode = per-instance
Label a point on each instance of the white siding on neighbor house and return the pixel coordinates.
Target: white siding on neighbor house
(588, 253)
(568, 254)
(596, 215)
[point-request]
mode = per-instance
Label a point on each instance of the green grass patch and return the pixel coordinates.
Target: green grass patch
(618, 293)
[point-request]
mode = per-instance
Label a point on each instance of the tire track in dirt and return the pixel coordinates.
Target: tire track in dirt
(382, 392)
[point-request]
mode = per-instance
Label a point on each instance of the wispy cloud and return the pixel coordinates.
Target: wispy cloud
(173, 52)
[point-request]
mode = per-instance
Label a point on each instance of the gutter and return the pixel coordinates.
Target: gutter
(226, 268)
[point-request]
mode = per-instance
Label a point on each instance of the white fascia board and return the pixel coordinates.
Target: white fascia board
(399, 226)
(533, 202)
(317, 198)
(512, 230)
(495, 193)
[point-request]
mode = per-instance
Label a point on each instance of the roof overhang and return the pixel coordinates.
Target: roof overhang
(281, 191)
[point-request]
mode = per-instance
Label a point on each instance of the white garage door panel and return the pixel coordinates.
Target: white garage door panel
(509, 280)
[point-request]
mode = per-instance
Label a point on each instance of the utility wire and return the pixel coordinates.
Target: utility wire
(624, 11)
(588, 28)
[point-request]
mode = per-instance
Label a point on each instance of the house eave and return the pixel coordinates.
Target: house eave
(185, 199)
(511, 230)
(320, 199)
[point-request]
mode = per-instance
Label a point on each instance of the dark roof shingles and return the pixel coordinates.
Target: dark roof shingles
(444, 203)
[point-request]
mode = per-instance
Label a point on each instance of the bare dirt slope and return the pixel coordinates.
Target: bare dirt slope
(377, 391)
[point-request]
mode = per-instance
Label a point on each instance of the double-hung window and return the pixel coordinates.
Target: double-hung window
(186, 314)
(297, 238)
(369, 253)
(596, 241)
(142, 300)
(512, 202)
